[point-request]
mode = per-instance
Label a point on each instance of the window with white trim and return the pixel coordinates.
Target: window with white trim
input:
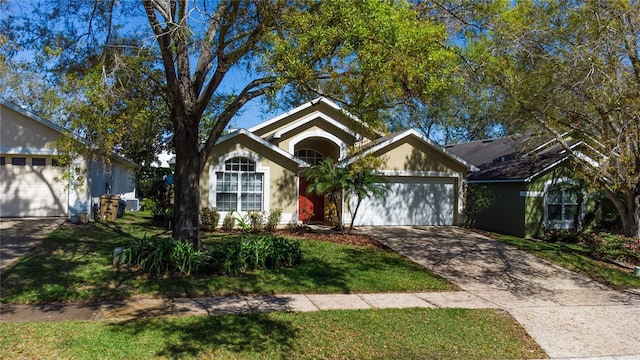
(563, 205)
(309, 156)
(239, 187)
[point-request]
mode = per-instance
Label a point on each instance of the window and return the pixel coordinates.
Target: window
(239, 187)
(18, 161)
(312, 157)
(38, 161)
(2, 160)
(563, 203)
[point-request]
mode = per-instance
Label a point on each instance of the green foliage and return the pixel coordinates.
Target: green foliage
(256, 219)
(233, 256)
(158, 197)
(244, 222)
(616, 247)
(229, 222)
(329, 179)
(364, 181)
(159, 255)
(565, 236)
(209, 218)
(479, 198)
(275, 215)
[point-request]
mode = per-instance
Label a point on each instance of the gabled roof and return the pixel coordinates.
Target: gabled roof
(383, 142)
(512, 158)
(259, 140)
(57, 128)
(320, 100)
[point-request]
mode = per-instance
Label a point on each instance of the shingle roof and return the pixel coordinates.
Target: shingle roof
(513, 158)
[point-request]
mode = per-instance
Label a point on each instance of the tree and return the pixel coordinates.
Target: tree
(362, 54)
(363, 181)
(573, 68)
(330, 180)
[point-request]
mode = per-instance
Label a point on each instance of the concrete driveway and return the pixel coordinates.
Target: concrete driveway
(19, 236)
(570, 316)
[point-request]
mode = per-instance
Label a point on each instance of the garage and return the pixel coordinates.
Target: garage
(30, 188)
(410, 201)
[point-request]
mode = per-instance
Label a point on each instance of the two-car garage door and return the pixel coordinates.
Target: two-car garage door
(29, 188)
(410, 201)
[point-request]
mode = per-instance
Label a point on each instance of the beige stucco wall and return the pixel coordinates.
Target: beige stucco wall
(282, 173)
(413, 155)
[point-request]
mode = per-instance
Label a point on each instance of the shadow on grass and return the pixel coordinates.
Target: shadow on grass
(208, 335)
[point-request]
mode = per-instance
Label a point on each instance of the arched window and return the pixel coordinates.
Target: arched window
(312, 157)
(239, 187)
(562, 206)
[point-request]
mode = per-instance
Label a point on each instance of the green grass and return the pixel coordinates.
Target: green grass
(576, 257)
(74, 264)
(353, 334)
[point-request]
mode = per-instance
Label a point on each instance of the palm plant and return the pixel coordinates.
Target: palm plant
(364, 181)
(329, 179)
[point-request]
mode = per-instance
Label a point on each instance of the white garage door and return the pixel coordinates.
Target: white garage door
(410, 201)
(30, 190)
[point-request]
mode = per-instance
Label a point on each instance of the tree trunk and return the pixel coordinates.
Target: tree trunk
(186, 181)
(629, 210)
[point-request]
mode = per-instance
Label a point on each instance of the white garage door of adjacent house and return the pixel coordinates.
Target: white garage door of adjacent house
(31, 190)
(410, 201)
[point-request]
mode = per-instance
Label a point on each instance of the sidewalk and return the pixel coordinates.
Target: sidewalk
(132, 309)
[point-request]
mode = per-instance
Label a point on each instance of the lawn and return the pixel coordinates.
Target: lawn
(576, 257)
(345, 334)
(75, 264)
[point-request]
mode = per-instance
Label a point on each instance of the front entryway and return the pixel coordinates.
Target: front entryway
(310, 206)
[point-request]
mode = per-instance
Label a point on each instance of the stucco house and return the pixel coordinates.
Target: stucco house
(533, 182)
(30, 176)
(263, 168)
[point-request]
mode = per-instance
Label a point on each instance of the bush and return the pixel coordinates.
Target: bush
(616, 247)
(162, 255)
(233, 256)
(274, 219)
(479, 198)
(229, 222)
(209, 218)
(256, 220)
(566, 236)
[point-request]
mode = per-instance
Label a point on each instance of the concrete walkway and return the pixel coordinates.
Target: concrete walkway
(567, 314)
(140, 308)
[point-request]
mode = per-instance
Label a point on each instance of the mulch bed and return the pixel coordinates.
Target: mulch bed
(334, 237)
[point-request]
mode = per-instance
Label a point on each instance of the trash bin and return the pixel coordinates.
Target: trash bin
(122, 206)
(109, 206)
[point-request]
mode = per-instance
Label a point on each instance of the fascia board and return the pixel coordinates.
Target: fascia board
(263, 142)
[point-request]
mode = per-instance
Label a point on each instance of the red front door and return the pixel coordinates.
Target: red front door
(310, 206)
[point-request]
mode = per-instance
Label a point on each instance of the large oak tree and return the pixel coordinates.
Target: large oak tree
(365, 55)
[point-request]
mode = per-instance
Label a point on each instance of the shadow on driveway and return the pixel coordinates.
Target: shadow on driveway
(19, 236)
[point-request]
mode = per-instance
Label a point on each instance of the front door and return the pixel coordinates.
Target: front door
(310, 206)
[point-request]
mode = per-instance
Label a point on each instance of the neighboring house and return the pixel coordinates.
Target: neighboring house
(30, 177)
(535, 188)
(263, 168)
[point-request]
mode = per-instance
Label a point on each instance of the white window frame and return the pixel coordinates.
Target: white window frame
(562, 224)
(317, 157)
(259, 169)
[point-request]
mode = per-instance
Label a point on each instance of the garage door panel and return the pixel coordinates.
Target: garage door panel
(32, 191)
(410, 202)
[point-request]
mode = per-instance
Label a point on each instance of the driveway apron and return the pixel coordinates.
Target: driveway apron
(569, 315)
(19, 236)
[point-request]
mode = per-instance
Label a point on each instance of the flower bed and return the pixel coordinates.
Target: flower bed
(616, 247)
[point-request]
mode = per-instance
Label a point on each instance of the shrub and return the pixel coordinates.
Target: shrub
(256, 219)
(244, 223)
(616, 247)
(209, 218)
(274, 219)
(566, 236)
(233, 256)
(479, 198)
(229, 222)
(162, 255)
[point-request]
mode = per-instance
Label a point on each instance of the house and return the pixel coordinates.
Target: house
(534, 185)
(31, 178)
(263, 168)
